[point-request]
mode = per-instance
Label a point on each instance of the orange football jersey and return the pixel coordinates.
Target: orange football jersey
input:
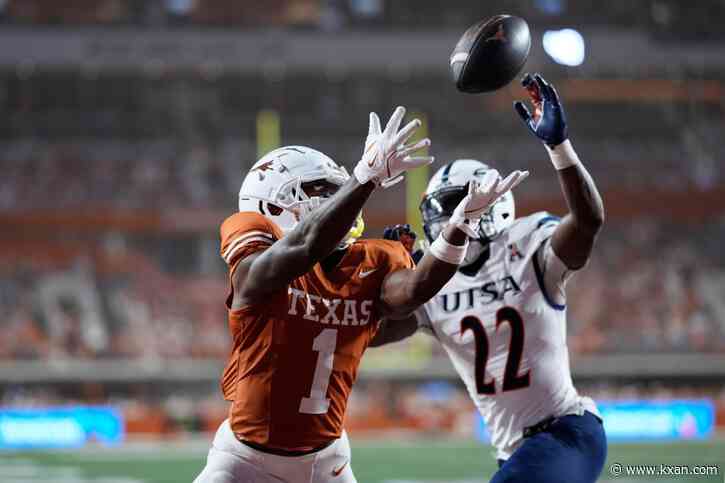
(295, 356)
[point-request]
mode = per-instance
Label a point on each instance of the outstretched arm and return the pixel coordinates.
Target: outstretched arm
(298, 251)
(386, 156)
(405, 290)
(574, 238)
(394, 331)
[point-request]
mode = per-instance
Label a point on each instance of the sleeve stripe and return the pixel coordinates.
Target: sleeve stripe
(540, 279)
(548, 220)
(244, 237)
(230, 257)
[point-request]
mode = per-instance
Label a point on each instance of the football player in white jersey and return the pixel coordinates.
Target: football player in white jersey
(502, 317)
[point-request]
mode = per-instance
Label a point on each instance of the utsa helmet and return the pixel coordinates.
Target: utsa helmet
(446, 189)
(275, 186)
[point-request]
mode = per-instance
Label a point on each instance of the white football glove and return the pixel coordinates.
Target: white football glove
(386, 155)
(481, 196)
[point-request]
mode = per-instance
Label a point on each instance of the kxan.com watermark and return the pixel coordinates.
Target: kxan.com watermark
(617, 470)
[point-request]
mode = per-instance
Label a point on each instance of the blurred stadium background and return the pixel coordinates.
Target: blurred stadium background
(126, 129)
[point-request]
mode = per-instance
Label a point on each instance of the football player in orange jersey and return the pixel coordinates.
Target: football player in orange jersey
(306, 299)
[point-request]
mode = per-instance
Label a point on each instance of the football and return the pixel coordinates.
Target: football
(490, 54)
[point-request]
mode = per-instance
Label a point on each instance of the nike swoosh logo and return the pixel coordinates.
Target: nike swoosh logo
(365, 273)
(371, 162)
(336, 472)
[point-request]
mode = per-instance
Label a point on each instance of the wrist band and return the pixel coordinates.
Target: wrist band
(364, 177)
(445, 252)
(360, 174)
(563, 155)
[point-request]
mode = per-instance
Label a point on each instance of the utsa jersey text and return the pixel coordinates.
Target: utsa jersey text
(489, 292)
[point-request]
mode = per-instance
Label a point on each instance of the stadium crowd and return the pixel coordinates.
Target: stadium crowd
(326, 14)
(61, 176)
(157, 176)
(81, 313)
(651, 286)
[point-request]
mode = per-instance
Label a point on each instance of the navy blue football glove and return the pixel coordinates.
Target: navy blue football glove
(549, 121)
(405, 235)
(392, 232)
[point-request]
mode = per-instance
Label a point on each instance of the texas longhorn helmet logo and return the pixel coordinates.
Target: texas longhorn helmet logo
(264, 166)
(268, 166)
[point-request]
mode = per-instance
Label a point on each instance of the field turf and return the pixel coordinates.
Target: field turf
(391, 461)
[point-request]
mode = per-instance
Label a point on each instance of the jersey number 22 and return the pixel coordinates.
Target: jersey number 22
(511, 378)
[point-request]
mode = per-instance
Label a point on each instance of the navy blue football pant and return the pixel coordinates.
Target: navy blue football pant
(572, 450)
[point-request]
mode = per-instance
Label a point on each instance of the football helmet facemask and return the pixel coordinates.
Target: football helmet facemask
(288, 183)
(446, 189)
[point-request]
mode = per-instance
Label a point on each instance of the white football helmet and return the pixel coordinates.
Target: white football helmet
(447, 188)
(274, 185)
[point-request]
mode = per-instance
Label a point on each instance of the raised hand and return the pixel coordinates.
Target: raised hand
(548, 122)
(481, 197)
(386, 156)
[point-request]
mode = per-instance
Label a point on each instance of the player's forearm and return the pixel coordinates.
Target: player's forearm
(323, 229)
(394, 331)
(574, 239)
(314, 237)
(432, 273)
(581, 193)
(404, 291)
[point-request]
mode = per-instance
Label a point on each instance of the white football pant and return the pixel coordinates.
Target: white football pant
(230, 461)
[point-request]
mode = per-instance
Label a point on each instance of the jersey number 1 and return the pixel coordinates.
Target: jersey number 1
(511, 378)
(317, 402)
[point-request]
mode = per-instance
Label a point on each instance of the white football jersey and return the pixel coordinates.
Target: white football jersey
(504, 328)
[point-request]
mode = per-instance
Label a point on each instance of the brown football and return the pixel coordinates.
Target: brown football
(490, 54)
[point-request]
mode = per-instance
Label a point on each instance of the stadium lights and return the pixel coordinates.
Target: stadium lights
(565, 46)
(367, 8)
(179, 7)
